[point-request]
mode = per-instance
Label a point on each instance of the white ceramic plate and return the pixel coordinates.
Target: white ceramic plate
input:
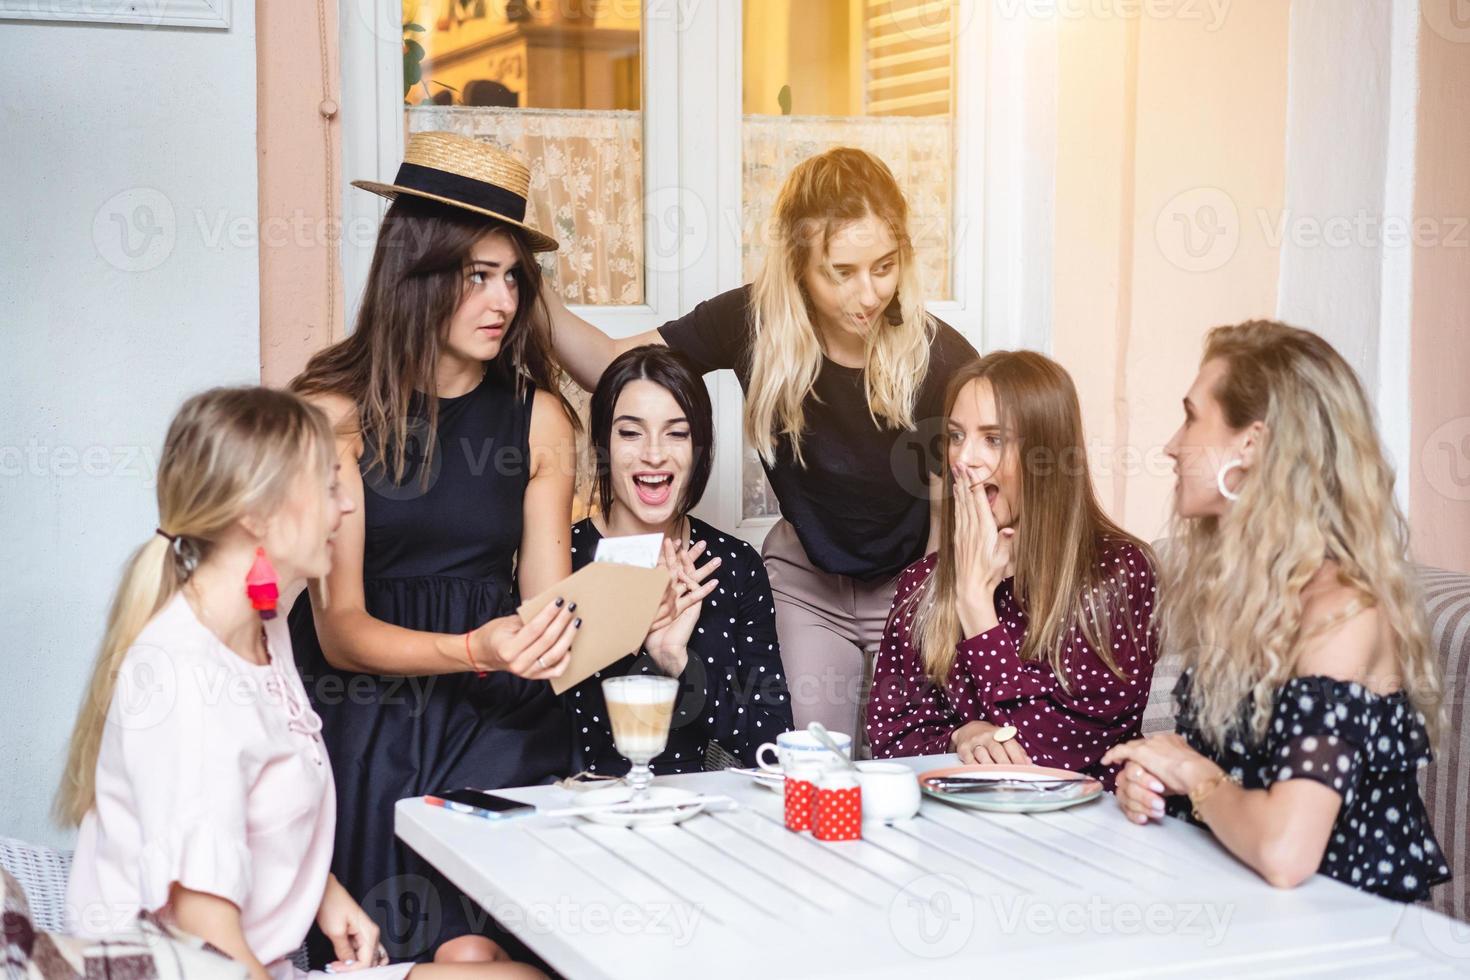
(673, 813)
(1019, 802)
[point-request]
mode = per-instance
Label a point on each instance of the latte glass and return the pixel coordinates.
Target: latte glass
(639, 709)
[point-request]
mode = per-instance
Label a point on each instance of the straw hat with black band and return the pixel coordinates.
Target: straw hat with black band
(465, 173)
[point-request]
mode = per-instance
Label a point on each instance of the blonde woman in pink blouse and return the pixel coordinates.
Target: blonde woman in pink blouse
(196, 770)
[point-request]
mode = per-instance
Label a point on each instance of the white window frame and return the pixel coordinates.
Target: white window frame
(1004, 168)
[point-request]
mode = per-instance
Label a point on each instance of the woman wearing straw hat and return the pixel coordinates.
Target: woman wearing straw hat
(844, 375)
(459, 452)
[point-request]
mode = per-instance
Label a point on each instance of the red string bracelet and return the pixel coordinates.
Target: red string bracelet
(469, 655)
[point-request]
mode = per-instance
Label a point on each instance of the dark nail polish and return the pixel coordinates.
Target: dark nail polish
(572, 607)
(577, 623)
(562, 602)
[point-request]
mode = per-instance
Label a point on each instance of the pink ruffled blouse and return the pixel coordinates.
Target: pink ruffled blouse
(211, 774)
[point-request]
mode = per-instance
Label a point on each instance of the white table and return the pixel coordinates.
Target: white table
(951, 893)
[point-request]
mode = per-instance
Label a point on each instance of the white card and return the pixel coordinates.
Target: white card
(641, 550)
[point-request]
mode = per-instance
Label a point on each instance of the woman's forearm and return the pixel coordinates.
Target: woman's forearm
(357, 641)
(1277, 837)
(581, 348)
(217, 922)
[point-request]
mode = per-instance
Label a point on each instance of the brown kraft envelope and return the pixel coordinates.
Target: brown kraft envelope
(617, 604)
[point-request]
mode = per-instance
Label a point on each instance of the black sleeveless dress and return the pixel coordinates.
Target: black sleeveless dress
(439, 559)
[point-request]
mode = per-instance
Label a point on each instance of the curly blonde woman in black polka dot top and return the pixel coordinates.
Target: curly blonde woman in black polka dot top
(652, 436)
(1309, 694)
(1036, 610)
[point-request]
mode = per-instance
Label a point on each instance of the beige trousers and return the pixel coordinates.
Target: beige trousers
(829, 627)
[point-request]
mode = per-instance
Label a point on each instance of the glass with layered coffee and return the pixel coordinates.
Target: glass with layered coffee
(639, 709)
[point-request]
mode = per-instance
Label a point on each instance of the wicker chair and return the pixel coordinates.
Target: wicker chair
(42, 873)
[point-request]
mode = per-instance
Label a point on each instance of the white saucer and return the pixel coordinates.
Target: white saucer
(640, 818)
(774, 781)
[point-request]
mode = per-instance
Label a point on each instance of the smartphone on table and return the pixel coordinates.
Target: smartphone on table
(479, 803)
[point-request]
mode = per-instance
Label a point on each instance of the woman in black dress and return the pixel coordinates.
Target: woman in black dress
(460, 454)
(652, 436)
(1310, 693)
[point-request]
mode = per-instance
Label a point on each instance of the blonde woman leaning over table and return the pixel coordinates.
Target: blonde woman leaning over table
(1033, 617)
(1309, 694)
(844, 373)
(197, 771)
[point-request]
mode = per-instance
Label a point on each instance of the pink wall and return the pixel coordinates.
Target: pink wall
(1168, 131)
(1439, 489)
(299, 150)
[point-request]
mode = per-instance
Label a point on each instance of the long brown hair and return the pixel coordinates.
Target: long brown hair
(822, 194)
(229, 451)
(414, 286)
(1064, 531)
(1321, 488)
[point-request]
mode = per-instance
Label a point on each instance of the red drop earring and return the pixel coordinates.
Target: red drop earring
(260, 586)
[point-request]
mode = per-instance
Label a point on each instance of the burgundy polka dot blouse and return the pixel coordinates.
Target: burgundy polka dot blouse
(1071, 728)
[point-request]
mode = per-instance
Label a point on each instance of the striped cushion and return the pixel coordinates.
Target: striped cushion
(1446, 782)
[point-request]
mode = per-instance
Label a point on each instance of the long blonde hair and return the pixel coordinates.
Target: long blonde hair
(822, 194)
(229, 452)
(1321, 489)
(1059, 576)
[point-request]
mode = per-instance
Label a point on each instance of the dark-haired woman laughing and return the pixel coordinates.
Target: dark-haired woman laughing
(652, 435)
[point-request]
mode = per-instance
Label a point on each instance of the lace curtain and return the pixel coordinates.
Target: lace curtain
(586, 188)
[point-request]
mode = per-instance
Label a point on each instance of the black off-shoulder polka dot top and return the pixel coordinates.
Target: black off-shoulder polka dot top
(733, 690)
(1365, 747)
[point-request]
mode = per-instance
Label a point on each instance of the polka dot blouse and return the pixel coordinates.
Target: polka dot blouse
(732, 692)
(1365, 747)
(1069, 728)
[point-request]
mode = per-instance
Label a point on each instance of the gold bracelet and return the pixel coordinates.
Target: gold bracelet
(1203, 790)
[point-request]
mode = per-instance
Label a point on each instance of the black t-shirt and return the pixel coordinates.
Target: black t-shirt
(861, 504)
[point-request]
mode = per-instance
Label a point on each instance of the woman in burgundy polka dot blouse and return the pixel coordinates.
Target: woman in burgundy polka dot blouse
(1036, 611)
